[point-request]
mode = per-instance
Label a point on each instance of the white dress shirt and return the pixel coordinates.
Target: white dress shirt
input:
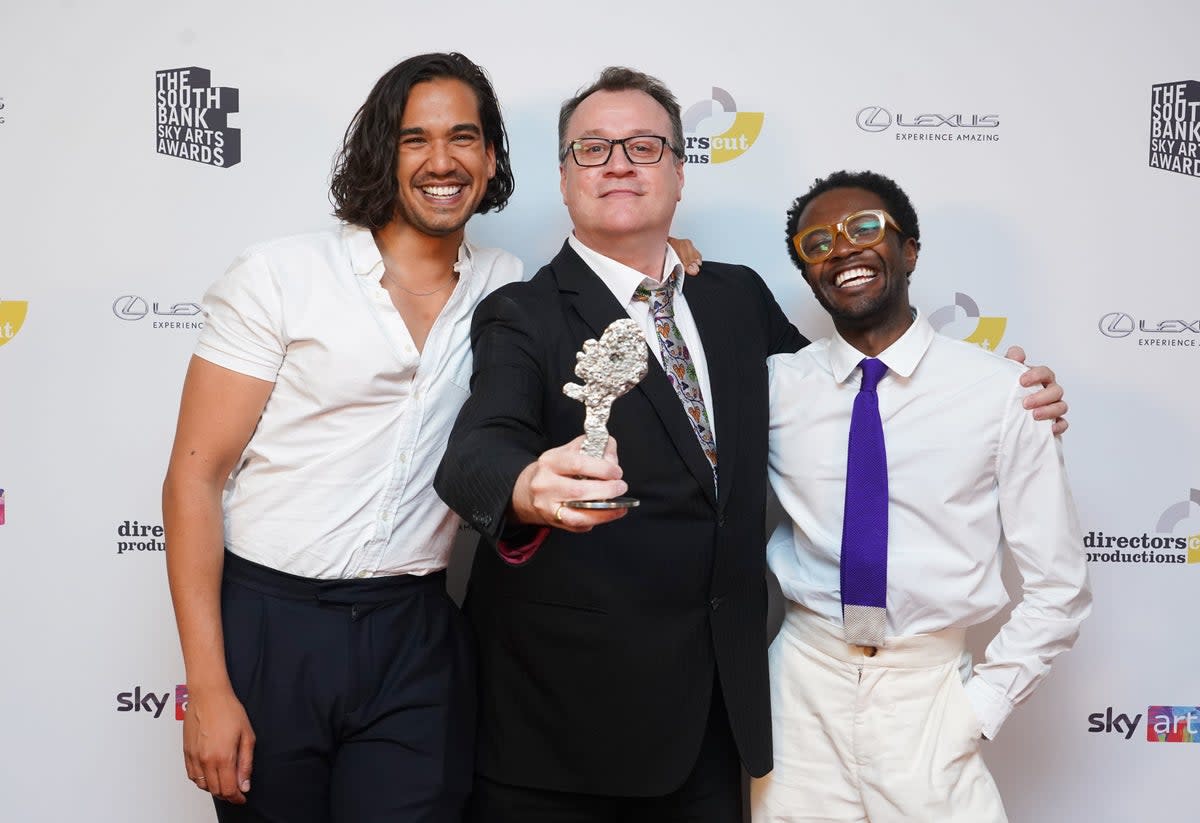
(337, 479)
(969, 471)
(623, 281)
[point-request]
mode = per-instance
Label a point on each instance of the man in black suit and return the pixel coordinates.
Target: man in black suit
(623, 670)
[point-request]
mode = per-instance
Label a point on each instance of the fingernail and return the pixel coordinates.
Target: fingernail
(245, 785)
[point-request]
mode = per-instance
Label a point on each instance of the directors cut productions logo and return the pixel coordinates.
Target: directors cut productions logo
(132, 307)
(1118, 325)
(1175, 127)
(191, 117)
(1164, 724)
(12, 317)
(987, 331)
(716, 132)
(140, 537)
(931, 127)
(1164, 546)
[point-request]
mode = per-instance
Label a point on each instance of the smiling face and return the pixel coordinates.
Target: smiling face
(620, 202)
(443, 163)
(862, 287)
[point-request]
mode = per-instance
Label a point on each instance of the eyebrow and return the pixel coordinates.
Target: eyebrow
(633, 133)
(458, 128)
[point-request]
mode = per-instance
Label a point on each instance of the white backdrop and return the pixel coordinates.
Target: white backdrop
(1062, 234)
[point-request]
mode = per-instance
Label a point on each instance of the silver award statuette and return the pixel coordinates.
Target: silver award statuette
(609, 367)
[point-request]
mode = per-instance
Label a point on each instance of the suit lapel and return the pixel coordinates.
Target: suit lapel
(717, 333)
(585, 293)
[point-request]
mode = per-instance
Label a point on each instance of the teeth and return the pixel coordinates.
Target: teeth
(441, 191)
(854, 276)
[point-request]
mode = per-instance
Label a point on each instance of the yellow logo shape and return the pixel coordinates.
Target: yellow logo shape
(1193, 551)
(740, 136)
(989, 332)
(12, 317)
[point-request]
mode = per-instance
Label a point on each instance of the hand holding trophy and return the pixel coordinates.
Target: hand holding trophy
(609, 367)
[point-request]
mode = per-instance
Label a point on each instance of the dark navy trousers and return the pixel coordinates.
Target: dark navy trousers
(361, 694)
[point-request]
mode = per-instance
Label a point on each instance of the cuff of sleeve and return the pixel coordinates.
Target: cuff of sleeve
(516, 555)
(991, 707)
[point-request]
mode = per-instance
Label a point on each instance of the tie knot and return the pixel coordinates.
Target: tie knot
(661, 298)
(872, 372)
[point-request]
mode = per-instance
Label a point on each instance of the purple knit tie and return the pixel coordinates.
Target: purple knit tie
(865, 523)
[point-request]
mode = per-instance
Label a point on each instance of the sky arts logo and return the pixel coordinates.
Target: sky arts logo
(716, 132)
(1164, 724)
(1, 507)
(192, 115)
(1118, 325)
(1175, 127)
(12, 317)
(151, 702)
(928, 127)
(1164, 546)
(132, 307)
(963, 316)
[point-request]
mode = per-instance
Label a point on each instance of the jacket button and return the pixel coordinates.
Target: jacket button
(715, 603)
(721, 520)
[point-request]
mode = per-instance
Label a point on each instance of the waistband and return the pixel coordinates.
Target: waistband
(911, 652)
(375, 590)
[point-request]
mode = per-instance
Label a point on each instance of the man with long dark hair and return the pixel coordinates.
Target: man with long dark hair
(329, 674)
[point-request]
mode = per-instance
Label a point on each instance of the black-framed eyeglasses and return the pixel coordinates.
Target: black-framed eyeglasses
(640, 149)
(863, 228)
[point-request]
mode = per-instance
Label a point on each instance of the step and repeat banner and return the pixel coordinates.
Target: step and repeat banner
(1052, 152)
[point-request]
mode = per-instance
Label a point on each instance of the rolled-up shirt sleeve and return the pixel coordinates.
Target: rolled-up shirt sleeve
(243, 320)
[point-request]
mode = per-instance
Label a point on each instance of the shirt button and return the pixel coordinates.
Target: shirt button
(363, 573)
(403, 457)
(408, 349)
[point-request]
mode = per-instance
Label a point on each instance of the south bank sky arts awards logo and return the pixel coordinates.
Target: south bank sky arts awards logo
(1154, 333)
(963, 316)
(716, 132)
(1170, 544)
(1175, 127)
(191, 117)
(930, 126)
(12, 317)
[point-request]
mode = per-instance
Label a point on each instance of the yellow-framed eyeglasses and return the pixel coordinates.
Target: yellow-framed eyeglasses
(863, 228)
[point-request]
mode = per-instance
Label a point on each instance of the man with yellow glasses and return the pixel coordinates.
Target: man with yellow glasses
(905, 461)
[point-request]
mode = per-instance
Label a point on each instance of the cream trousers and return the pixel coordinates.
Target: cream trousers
(889, 738)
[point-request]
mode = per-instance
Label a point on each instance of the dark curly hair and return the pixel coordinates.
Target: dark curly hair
(897, 202)
(363, 187)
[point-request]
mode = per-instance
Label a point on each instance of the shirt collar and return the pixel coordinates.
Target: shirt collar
(622, 280)
(901, 357)
(366, 259)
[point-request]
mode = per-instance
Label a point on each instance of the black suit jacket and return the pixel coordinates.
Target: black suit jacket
(597, 657)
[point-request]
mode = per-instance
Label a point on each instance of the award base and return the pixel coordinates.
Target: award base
(614, 503)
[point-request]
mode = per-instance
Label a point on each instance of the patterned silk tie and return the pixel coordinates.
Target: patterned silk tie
(865, 523)
(677, 363)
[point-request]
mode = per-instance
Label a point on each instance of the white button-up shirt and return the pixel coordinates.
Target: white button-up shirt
(337, 479)
(969, 471)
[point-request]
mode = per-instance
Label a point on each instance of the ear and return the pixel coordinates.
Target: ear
(910, 250)
(562, 181)
(679, 164)
(491, 161)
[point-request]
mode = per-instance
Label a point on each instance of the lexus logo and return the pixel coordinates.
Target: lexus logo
(130, 307)
(1116, 324)
(874, 118)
